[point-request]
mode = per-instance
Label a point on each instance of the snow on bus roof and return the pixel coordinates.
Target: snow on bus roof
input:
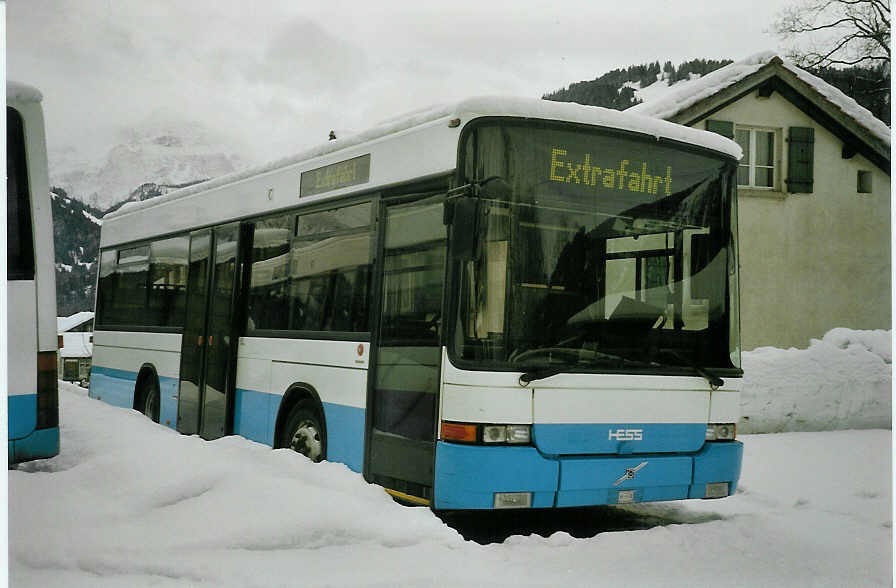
(19, 92)
(685, 94)
(533, 108)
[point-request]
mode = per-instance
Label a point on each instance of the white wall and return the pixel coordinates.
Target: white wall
(810, 262)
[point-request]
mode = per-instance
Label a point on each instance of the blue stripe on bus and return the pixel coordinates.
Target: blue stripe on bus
(113, 386)
(558, 439)
(40, 444)
(345, 434)
(254, 414)
(116, 387)
(467, 476)
(168, 392)
(22, 414)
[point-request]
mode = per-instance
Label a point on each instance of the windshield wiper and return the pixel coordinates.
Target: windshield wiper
(715, 382)
(540, 374)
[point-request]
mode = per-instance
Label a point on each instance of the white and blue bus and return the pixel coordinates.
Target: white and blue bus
(30, 313)
(501, 303)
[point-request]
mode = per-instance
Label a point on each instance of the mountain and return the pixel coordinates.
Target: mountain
(164, 149)
(163, 153)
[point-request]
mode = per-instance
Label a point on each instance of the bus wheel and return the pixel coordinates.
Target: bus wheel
(303, 432)
(151, 400)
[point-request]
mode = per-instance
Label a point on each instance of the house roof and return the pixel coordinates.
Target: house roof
(76, 345)
(66, 323)
(690, 101)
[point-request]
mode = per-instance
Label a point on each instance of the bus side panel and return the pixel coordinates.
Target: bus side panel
(22, 357)
(41, 210)
(336, 370)
(117, 359)
(255, 406)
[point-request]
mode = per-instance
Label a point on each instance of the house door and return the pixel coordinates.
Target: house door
(208, 349)
(407, 360)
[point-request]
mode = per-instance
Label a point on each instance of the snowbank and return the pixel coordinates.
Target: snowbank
(129, 503)
(842, 381)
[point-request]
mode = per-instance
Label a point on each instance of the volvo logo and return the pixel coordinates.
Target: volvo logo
(630, 473)
(626, 434)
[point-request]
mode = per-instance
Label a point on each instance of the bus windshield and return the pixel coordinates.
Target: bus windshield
(605, 252)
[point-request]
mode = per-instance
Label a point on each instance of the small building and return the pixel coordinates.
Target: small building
(813, 197)
(75, 346)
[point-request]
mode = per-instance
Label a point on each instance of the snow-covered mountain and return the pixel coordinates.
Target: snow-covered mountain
(164, 149)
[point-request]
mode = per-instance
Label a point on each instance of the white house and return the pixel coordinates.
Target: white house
(75, 346)
(813, 197)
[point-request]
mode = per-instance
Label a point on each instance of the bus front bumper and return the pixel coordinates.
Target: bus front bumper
(469, 476)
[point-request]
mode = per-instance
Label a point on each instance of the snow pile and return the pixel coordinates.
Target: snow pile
(130, 503)
(842, 381)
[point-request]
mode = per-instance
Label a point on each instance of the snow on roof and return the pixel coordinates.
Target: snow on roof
(65, 323)
(474, 107)
(76, 345)
(849, 106)
(19, 92)
(683, 95)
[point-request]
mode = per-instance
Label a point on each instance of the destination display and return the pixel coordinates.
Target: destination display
(620, 174)
(343, 174)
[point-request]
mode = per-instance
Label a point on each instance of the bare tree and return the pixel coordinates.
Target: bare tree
(838, 32)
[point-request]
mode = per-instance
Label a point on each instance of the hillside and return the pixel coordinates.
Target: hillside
(619, 89)
(76, 241)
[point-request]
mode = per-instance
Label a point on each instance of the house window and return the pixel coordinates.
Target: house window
(863, 182)
(757, 168)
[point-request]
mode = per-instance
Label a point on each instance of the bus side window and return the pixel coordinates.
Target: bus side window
(329, 270)
(106, 313)
(19, 232)
(269, 278)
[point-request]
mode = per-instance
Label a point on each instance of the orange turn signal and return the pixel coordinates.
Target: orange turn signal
(458, 432)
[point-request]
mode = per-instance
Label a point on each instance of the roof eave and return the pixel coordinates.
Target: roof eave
(838, 122)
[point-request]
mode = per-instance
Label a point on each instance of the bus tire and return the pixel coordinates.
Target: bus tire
(149, 396)
(304, 432)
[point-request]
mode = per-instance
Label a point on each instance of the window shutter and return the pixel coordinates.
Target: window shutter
(800, 160)
(721, 127)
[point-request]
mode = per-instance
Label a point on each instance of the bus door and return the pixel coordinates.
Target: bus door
(404, 385)
(208, 350)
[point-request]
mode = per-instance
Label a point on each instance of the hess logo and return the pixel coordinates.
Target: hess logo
(626, 434)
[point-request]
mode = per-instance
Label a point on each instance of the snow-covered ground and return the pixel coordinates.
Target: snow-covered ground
(132, 503)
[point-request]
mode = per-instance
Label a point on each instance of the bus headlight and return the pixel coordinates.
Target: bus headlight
(721, 432)
(506, 434)
(487, 434)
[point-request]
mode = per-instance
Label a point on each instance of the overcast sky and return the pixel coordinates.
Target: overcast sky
(276, 75)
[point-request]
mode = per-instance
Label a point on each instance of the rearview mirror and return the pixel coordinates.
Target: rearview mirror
(462, 231)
